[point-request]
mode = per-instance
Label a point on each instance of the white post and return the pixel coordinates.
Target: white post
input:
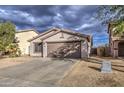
(31, 49)
(84, 49)
(44, 49)
(81, 49)
(115, 49)
(88, 49)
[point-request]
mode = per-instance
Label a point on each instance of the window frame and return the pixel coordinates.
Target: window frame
(37, 47)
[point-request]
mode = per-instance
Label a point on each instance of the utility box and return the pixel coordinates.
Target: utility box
(106, 67)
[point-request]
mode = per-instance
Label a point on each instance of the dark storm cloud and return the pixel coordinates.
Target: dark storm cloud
(67, 16)
(36, 10)
(78, 18)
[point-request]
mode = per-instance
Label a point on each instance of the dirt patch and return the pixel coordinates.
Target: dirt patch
(7, 62)
(86, 73)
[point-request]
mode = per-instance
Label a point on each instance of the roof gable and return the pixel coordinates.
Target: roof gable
(44, 33)
(47, 34)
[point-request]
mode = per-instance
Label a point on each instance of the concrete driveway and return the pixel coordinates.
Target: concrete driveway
(35, 72)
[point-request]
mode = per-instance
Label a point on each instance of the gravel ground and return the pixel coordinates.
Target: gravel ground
(86, 73)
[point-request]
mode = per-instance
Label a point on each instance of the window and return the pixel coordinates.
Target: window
(37, 47)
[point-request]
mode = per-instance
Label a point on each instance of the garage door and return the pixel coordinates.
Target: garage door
(121, 49)
(64, 49)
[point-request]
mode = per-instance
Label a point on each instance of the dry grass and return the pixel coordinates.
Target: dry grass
(87, 74)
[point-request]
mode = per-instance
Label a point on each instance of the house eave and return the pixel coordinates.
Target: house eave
(27, 30)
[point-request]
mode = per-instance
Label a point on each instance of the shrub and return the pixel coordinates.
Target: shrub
(101, 51)
(13, 50)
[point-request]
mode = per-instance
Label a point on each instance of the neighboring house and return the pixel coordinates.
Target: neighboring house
(59, 43)
(116, 43)
(23, 36)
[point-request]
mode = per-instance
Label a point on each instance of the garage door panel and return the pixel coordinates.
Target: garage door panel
(64, 49)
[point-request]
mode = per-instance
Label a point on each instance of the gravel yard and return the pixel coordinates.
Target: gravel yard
(87, 74)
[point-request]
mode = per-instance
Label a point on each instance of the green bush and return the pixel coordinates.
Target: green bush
(13, 50)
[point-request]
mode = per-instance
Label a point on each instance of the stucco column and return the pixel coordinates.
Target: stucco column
(88, 49)
(84, 49)
(81, 49)
(31, 49)
(115, 50)
(44, 49)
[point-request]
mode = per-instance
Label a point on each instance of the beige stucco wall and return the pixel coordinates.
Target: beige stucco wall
(23, 38)
(67, 37)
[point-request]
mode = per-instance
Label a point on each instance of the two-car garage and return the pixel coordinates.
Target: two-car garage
(68, 49)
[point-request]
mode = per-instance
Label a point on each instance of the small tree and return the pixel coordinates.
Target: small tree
(8, 42)
(7, 34)
(118, 28)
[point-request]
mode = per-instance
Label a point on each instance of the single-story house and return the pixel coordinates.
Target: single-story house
(116, 43)
(61, 43)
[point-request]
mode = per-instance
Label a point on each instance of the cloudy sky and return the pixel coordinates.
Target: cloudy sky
(78, 18)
